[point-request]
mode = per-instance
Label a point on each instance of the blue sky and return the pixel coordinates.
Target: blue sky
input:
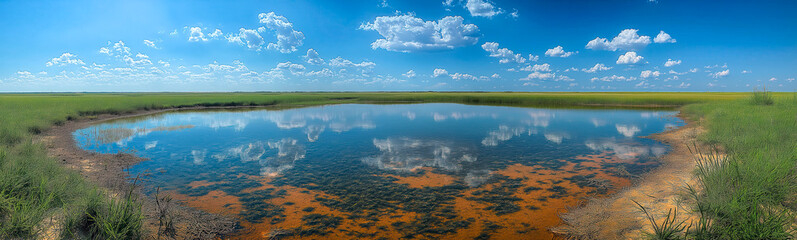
(375, 45)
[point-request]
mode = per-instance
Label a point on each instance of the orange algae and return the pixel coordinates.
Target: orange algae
(539, 208)
(428, 179)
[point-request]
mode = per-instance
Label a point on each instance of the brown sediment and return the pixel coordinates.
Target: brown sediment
(659, 191)
(428, 179)
(539, 208)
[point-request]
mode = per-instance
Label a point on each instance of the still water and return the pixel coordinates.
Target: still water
(388, 171)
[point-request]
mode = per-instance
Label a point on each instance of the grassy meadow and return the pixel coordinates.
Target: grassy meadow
(757, 178)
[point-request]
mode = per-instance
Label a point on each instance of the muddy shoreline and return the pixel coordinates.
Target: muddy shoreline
(657, 190)
(107, 171)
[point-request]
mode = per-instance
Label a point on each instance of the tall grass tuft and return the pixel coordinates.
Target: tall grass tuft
(669, 229)
(762, 97)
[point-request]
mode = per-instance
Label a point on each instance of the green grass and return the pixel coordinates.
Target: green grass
(751, 193)
(34, 186)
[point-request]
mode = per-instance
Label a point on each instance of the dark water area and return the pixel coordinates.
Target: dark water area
(388, 171)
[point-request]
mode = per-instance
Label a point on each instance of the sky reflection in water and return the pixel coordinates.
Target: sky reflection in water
(473, 144)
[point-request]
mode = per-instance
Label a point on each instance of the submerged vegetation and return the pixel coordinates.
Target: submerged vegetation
(750, 194)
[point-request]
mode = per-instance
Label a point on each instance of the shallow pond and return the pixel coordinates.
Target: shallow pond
(388, 171)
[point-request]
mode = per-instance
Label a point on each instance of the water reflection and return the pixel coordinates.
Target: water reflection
(406, 154)
(399, 171)
(289, 151)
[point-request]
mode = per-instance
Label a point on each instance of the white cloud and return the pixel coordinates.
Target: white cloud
(150, 44)
(745, 71)
(773, 79)
(627, 130)
(216, 34)
(598, 67)
(628, 39)
(287, 38)
(505, 55)
(684, 85)
(629, 58)
(293, 67)
(648, 73)
(196, 35)
(663, 37)
(720, 73)
(409, 74)
(460, 76)
(613, 78)
(537, 68)
(538, 75)
(671, 62)
(482, 8)
(406, 33)
(65, 59)
(249, 37)
(514, 13)
(341, 62)
(313, 57)
(439, 72)
(118, 48)
(558, 51)
(495, 75)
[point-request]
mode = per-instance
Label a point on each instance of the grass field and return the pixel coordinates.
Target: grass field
(33, 187)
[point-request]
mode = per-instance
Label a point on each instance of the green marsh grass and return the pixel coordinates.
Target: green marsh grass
(750, 193)
(34, 186)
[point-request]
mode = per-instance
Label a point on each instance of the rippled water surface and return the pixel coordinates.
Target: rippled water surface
(372, 171)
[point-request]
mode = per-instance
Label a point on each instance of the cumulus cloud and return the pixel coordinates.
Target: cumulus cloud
(503, 54)
(287, 38)
(462, 76)
(720, 74)
(406, 33)
(482, 8)
(671, 62)
(648, 73)
(538, 75)
(598, 67)
(439, 72)
(409, 74)
(150, 44)
(537, 68)
(341, 62)
(216, 34)
(195, 35)
(293, 67)
(313, 57)
(558, 51)
(613, 78)
(628, 39)
(249, 37)
(65, 59)
(629, 58)
(663, 37)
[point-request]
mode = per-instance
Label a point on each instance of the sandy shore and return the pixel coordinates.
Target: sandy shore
(659, 191)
